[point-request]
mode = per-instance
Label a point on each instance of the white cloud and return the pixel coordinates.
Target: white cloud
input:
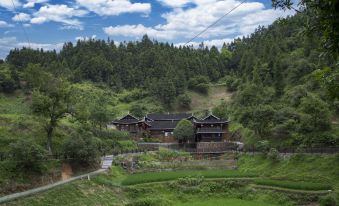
(4, 24)
(8, 43)
(136, 31)
(214, 42)
(184, 23)
(59, 13)
(31, 3)
(174, 3)
(85, 38)
(8, 4)
(114, 7)
(21, 17)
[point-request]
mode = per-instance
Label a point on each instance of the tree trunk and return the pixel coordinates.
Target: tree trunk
(50, 128)
(49, 139)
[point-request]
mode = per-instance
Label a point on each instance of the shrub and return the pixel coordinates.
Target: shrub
(166, 154)
(201, 88)
(113, 134)
(328, 200)
(184, 101)
(27, 154)
(263, 146)
(133, 95)
(7, 82)
(199, 84)
(138, 110)
(82, 149)
(125, 146)
(273, 154)
(232, 83)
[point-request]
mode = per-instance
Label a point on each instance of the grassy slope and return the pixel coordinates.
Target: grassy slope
(216, 95)
(17, 122)
(76, 193)
(106, 189)
(223, 202)
(305, 168)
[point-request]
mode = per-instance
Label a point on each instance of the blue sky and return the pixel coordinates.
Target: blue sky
(50, 23)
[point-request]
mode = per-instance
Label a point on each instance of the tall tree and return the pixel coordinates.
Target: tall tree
(52, 101)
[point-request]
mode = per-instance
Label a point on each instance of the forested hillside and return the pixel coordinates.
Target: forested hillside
(158, 68)
(281, 93)
(284, 93)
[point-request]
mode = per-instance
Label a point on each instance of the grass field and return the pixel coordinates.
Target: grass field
(321, 171)
(118, 188)
(223, 202)
(293, 184)
(173, 175)
(216, 95)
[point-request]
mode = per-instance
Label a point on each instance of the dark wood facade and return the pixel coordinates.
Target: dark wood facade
(208, 129)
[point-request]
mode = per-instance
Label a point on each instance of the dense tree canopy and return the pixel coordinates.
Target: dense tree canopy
(184, 131)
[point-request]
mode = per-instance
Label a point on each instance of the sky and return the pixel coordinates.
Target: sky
(48, 24)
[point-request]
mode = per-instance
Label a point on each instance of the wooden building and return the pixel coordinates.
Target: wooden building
(208, 129)
(131, 124)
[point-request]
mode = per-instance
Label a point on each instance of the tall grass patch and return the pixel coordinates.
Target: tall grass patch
(293, 184)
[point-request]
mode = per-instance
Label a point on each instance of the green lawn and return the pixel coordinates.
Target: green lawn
(223, 202)
(172, 175)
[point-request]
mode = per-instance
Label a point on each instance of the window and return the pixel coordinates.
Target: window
(166, 134)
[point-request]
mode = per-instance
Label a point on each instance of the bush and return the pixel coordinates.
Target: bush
(84, 150)
(328, 200)
(28, 155)
(199, 84)
(138, 110)
(232, 83)
(263, 146)
(135, 94)
(125, 146)
(273, 154)
(113, 134)
(184, 101)
(7, 82)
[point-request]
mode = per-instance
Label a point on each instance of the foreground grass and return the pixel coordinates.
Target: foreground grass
(293, 184)
(305, 174)
(173, 175)
(76, 193)
(223, 202)
(319, 171)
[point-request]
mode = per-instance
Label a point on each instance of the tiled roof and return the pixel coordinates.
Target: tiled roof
(169, 116)
(128, 119)
(163, 125)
